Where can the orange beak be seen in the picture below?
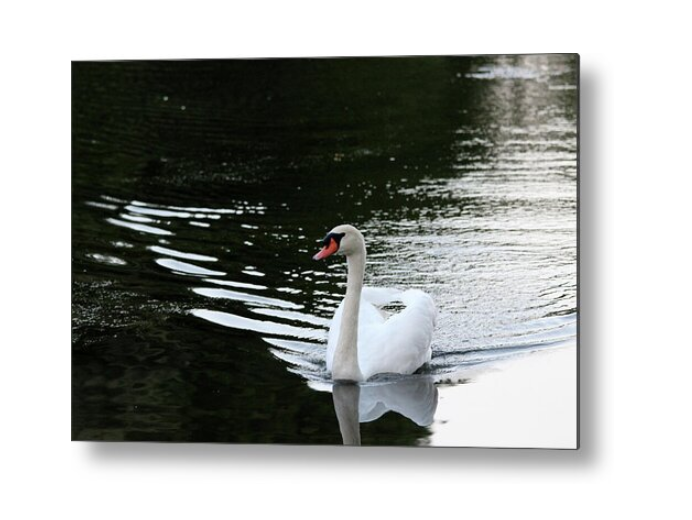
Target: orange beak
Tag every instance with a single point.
(326, 251)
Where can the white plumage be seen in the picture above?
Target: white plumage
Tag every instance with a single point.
(364, 340)
(399, 343)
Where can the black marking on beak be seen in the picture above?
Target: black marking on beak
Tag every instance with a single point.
(335, 236)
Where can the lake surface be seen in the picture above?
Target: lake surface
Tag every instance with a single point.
(200, 190)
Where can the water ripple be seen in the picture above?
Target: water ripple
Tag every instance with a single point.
(211, 292)
(234, 321)
(139, 227)
(182, 254)
(186, 268)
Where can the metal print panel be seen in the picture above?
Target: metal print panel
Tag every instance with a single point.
(361, 251)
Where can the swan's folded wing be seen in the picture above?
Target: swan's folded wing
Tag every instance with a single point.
(422, 305)
(413, 327)
(379, 296)
(403, 342)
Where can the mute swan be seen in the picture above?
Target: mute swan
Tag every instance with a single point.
(362, 341)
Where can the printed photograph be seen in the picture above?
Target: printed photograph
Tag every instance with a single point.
(375, 251)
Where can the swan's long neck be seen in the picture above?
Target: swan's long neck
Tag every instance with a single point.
(345, 366)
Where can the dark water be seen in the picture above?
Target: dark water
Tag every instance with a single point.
(200, 190)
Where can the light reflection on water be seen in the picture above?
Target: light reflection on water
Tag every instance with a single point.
(490, 234)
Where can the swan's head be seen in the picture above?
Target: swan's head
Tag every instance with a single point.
(343, 239)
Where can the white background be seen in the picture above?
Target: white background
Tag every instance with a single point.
(635, 270)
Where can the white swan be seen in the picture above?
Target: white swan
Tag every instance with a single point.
(362, 340)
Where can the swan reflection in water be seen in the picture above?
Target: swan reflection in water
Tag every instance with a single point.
(414, 397)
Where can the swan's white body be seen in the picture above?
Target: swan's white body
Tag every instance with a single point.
(399, 344)
(363, 341)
